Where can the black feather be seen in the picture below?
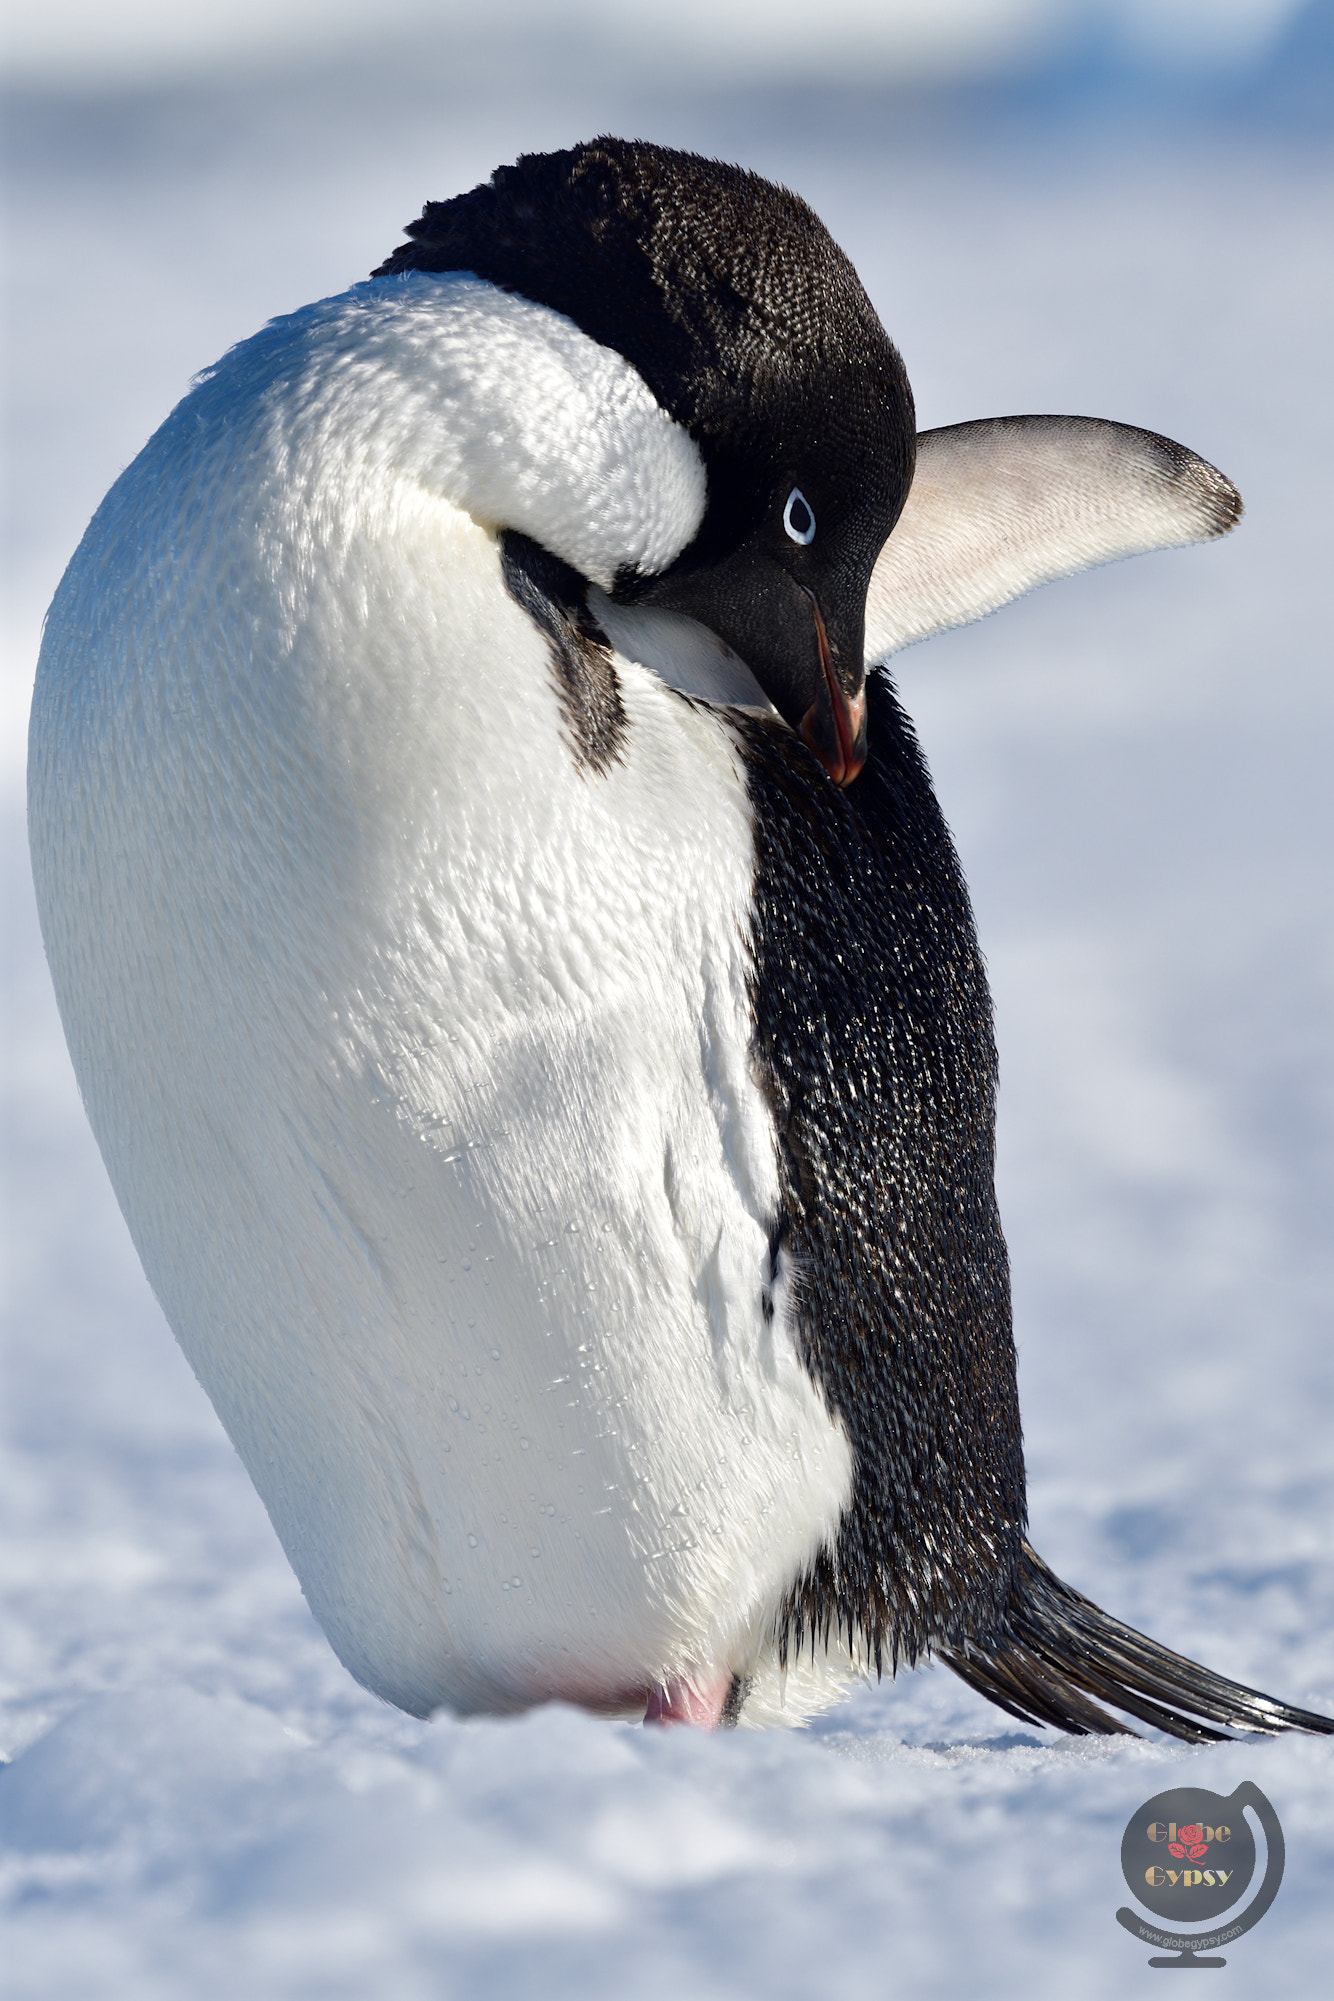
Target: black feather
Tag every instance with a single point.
(554, 596)
(1056, 1649)
(873, 1039)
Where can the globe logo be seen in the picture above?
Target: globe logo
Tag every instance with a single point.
(1189, 1856)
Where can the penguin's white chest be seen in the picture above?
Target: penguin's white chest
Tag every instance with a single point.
(420, 1058)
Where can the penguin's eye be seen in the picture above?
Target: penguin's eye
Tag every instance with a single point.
(798, 519)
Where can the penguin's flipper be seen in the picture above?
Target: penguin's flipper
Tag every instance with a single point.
(1055, 1650)
(1006, 503)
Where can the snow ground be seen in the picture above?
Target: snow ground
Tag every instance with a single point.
(1136, 764)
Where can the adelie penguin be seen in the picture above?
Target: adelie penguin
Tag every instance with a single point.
(521, 982)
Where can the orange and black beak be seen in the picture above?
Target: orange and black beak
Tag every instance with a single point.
(803, 642)
(834, 726)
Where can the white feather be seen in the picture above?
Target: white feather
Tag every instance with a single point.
(1000, 506)
(418, 1056)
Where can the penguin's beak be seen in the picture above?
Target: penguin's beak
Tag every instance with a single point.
(834, 726)
(805, 646)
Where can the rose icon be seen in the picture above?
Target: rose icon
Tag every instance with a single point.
(1190, 1844)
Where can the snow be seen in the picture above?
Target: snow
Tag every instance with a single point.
(201, 1803)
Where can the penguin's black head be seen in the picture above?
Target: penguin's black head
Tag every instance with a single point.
(752, 330)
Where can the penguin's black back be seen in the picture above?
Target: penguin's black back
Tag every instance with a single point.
(873, 1029)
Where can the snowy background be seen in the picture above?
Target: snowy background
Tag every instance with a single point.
(1117, 210)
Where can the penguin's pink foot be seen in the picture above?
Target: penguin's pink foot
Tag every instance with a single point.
(701, 1703)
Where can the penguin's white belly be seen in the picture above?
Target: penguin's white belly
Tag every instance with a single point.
(420, 1060)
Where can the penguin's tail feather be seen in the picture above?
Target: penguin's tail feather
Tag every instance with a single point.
(1055, 1650)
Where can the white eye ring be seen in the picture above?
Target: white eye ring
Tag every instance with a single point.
(799, 517)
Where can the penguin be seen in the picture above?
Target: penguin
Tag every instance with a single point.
(521, 982)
